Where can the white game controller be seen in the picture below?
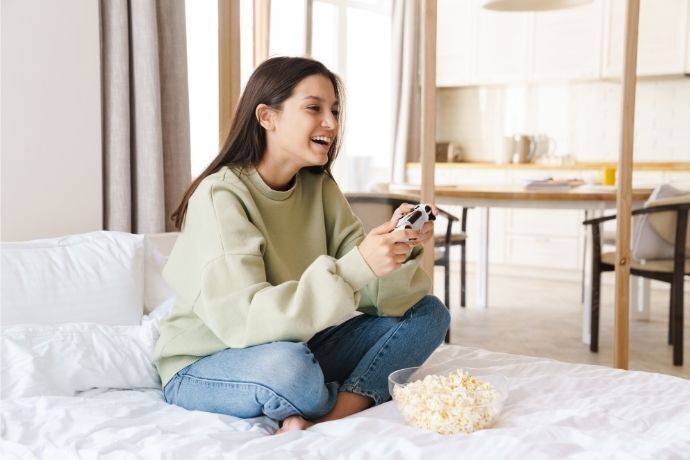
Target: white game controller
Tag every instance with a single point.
(414, 220)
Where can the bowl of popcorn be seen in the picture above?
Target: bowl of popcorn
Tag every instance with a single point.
(448, 402)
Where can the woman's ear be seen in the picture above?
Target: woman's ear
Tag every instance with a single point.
(264, 114)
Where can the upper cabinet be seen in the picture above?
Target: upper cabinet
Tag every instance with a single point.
(501, 45)
(478, 46)
(455, 46)
(566, 43)
(662, 41)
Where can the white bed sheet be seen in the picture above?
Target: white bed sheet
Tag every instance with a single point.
(554, 410)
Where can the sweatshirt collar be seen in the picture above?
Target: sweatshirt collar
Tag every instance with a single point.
(267, 191)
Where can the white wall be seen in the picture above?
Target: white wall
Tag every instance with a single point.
(51, 118)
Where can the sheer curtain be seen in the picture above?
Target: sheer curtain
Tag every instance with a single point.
(146, 153)
(406, 86)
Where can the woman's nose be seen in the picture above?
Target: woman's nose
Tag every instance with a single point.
(329, 121)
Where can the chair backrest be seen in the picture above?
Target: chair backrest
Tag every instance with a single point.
(654, 233)
(664, 223)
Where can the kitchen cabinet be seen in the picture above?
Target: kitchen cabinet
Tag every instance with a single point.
(662, 42)
(566, 43)
(455, 46)
(481, 47)
(501, 46)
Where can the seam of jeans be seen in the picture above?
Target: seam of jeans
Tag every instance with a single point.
(207, 381)
(378, 354)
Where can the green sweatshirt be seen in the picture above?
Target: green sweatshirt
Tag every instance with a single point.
(254, 265)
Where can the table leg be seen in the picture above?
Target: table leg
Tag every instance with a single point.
(482, 274)
(639, 298)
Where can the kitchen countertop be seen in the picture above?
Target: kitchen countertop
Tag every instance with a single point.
(507, 193)
(640, 166)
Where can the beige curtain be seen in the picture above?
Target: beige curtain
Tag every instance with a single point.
(406, 86)
(146, 148)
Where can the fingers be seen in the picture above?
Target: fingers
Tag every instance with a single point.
(404, 235)
(403, 209)
(384, 228)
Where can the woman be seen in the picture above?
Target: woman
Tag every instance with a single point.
(270, 261)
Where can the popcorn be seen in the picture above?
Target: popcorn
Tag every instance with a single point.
(458, 403)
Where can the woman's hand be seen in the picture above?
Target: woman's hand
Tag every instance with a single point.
(385, 250)
(427, 230)
(426, 233)
(403, 209)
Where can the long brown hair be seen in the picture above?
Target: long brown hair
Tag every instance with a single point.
(271, 83)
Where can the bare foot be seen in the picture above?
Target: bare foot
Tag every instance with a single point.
(294, 422)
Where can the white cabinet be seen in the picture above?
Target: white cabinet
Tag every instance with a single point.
(566, 44)
(501, 46)
(662, 41)
(455, 43)
(477, 46)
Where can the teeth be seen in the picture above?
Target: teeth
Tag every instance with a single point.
(322, 139)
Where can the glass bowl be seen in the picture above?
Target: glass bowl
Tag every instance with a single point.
(461, 403)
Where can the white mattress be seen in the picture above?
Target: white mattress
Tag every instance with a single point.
(553, 410)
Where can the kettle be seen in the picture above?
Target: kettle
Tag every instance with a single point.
(524, 148)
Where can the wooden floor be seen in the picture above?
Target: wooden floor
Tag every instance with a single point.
(544, 318)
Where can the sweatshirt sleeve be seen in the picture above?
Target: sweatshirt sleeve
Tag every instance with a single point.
(392, 294)
(235, 300)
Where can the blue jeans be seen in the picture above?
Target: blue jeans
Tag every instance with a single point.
(281, 379)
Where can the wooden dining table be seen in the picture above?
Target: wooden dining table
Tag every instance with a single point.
(593, 199)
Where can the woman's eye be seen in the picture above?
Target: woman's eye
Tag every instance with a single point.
(315, 108)
(335, 113)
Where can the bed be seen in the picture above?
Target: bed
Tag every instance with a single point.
(87, 388)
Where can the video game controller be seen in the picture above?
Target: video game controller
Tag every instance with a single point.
(415, 219)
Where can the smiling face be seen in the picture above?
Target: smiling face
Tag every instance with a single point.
(301, 132)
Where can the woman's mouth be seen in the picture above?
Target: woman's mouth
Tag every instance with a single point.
(322, 140)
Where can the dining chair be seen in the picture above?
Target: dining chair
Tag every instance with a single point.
(668, 219)
(374, 208)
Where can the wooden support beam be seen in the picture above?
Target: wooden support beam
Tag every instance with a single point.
(428, 117)
(262, 15)
(228, 64)
(624, 193)
(308, 21)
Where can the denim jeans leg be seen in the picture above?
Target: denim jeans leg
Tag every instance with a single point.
(277, 379)
(362, 352)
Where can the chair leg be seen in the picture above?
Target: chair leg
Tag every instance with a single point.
(584, 262)
(447, 294)
(677, 307)
(446, 283)
(463, 275)
(670, 316)
(594, 317)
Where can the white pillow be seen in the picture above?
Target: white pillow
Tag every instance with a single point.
(647, 243)
(92, 277)
(65, 359)
(156, 290)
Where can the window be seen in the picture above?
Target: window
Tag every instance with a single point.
(351, 37)
(202, 71)
(202, 74)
